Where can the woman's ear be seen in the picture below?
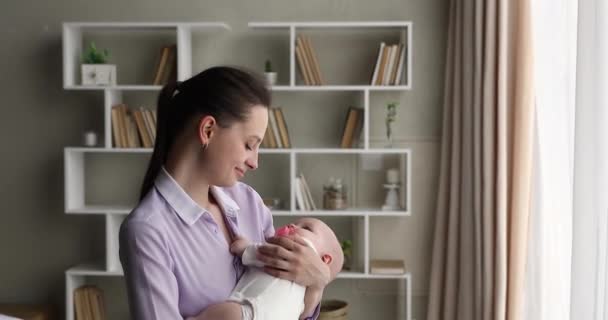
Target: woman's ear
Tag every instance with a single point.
(326, 258)
(206, 127)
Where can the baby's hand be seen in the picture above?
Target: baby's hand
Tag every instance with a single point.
(238, 246)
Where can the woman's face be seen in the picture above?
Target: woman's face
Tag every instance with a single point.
(233, 151)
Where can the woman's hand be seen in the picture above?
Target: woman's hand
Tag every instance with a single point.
(292, 259)
(239, 245)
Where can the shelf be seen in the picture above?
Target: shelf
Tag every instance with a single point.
(147, 25)
(340, 88)
(261, 151)
(345, 24)
(123, 210)
(95, 269)
(342, 213)
(117, 87)
(92, 269)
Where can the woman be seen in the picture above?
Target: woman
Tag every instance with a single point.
(174, 246)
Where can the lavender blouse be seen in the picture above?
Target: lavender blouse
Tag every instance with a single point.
(175, 259)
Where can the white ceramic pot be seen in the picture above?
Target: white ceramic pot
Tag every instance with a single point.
(98, 74)
(271, 78)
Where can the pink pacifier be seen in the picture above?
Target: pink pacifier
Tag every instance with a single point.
(285, 230)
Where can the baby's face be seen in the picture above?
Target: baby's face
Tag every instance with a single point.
(312, 229)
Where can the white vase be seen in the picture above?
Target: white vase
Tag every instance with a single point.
(98, 74)
(271, 78)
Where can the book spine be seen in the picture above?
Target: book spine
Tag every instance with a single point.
(315, 62)
(275, 129)
(377, 66)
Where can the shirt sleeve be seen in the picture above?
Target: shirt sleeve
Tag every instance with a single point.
(151, 285)
(268, 227)
(249, 256)
(315, 314)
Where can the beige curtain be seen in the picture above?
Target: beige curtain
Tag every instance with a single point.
(484, 191)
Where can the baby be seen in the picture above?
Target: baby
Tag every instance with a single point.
(261, 296)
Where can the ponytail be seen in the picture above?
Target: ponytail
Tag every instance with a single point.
(162, 140)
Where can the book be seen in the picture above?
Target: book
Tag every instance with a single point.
(315, 62)
(301, 65)
(390, 62)
(349, 128)
(395, 65)
(377, 66)
(115, 127)
(275, 128)
(378, 266)
(161, 65)
(301, 205)
(358, 128)
(307, 194)
(269, 136)
(170, 71)
(79, 307)
(134, 141)
(278, 112)
(150, 124)
(382, 66)
(95, 297)
(141, 128)
(166, 66)
(400, 64)
(308, 75)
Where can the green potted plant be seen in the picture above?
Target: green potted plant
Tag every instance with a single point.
(95, 69)
(271, 75)
(347, 250)
(391, 116)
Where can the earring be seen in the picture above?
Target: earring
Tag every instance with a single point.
(205, 145)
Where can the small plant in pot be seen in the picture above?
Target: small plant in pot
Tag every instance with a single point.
(94, 69)
(271, 75)
(347, 250)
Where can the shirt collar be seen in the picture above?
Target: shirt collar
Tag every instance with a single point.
(186, 208)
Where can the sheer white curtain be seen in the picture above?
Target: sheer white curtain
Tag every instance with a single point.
(590, 217)
(567, 253)
(547, 293)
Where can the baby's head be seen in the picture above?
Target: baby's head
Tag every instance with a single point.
(322, 239)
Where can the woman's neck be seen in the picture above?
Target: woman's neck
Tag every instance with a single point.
(188, 176)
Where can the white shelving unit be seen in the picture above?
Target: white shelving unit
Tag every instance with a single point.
(75, 158)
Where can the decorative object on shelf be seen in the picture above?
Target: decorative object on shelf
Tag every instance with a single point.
(95, 70)
(271, 75)
(333, 310)
(391, 115)
(347, 250)
(378, 266)
(90, 139)
(272, 203)
(334, 195)
(391, 201)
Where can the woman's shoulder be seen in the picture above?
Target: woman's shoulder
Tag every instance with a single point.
(148, 212)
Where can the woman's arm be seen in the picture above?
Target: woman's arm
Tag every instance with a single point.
(151, 286)
(311, 302)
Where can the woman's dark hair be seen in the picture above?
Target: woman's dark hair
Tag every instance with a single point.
(226, 93)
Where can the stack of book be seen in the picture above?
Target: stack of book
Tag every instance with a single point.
(387, 267)
(389, 65)
(308, 63)
(352, 127)
(166, 67)
(133, 128)
(304, 200)
(88, 303)
(277, 135)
